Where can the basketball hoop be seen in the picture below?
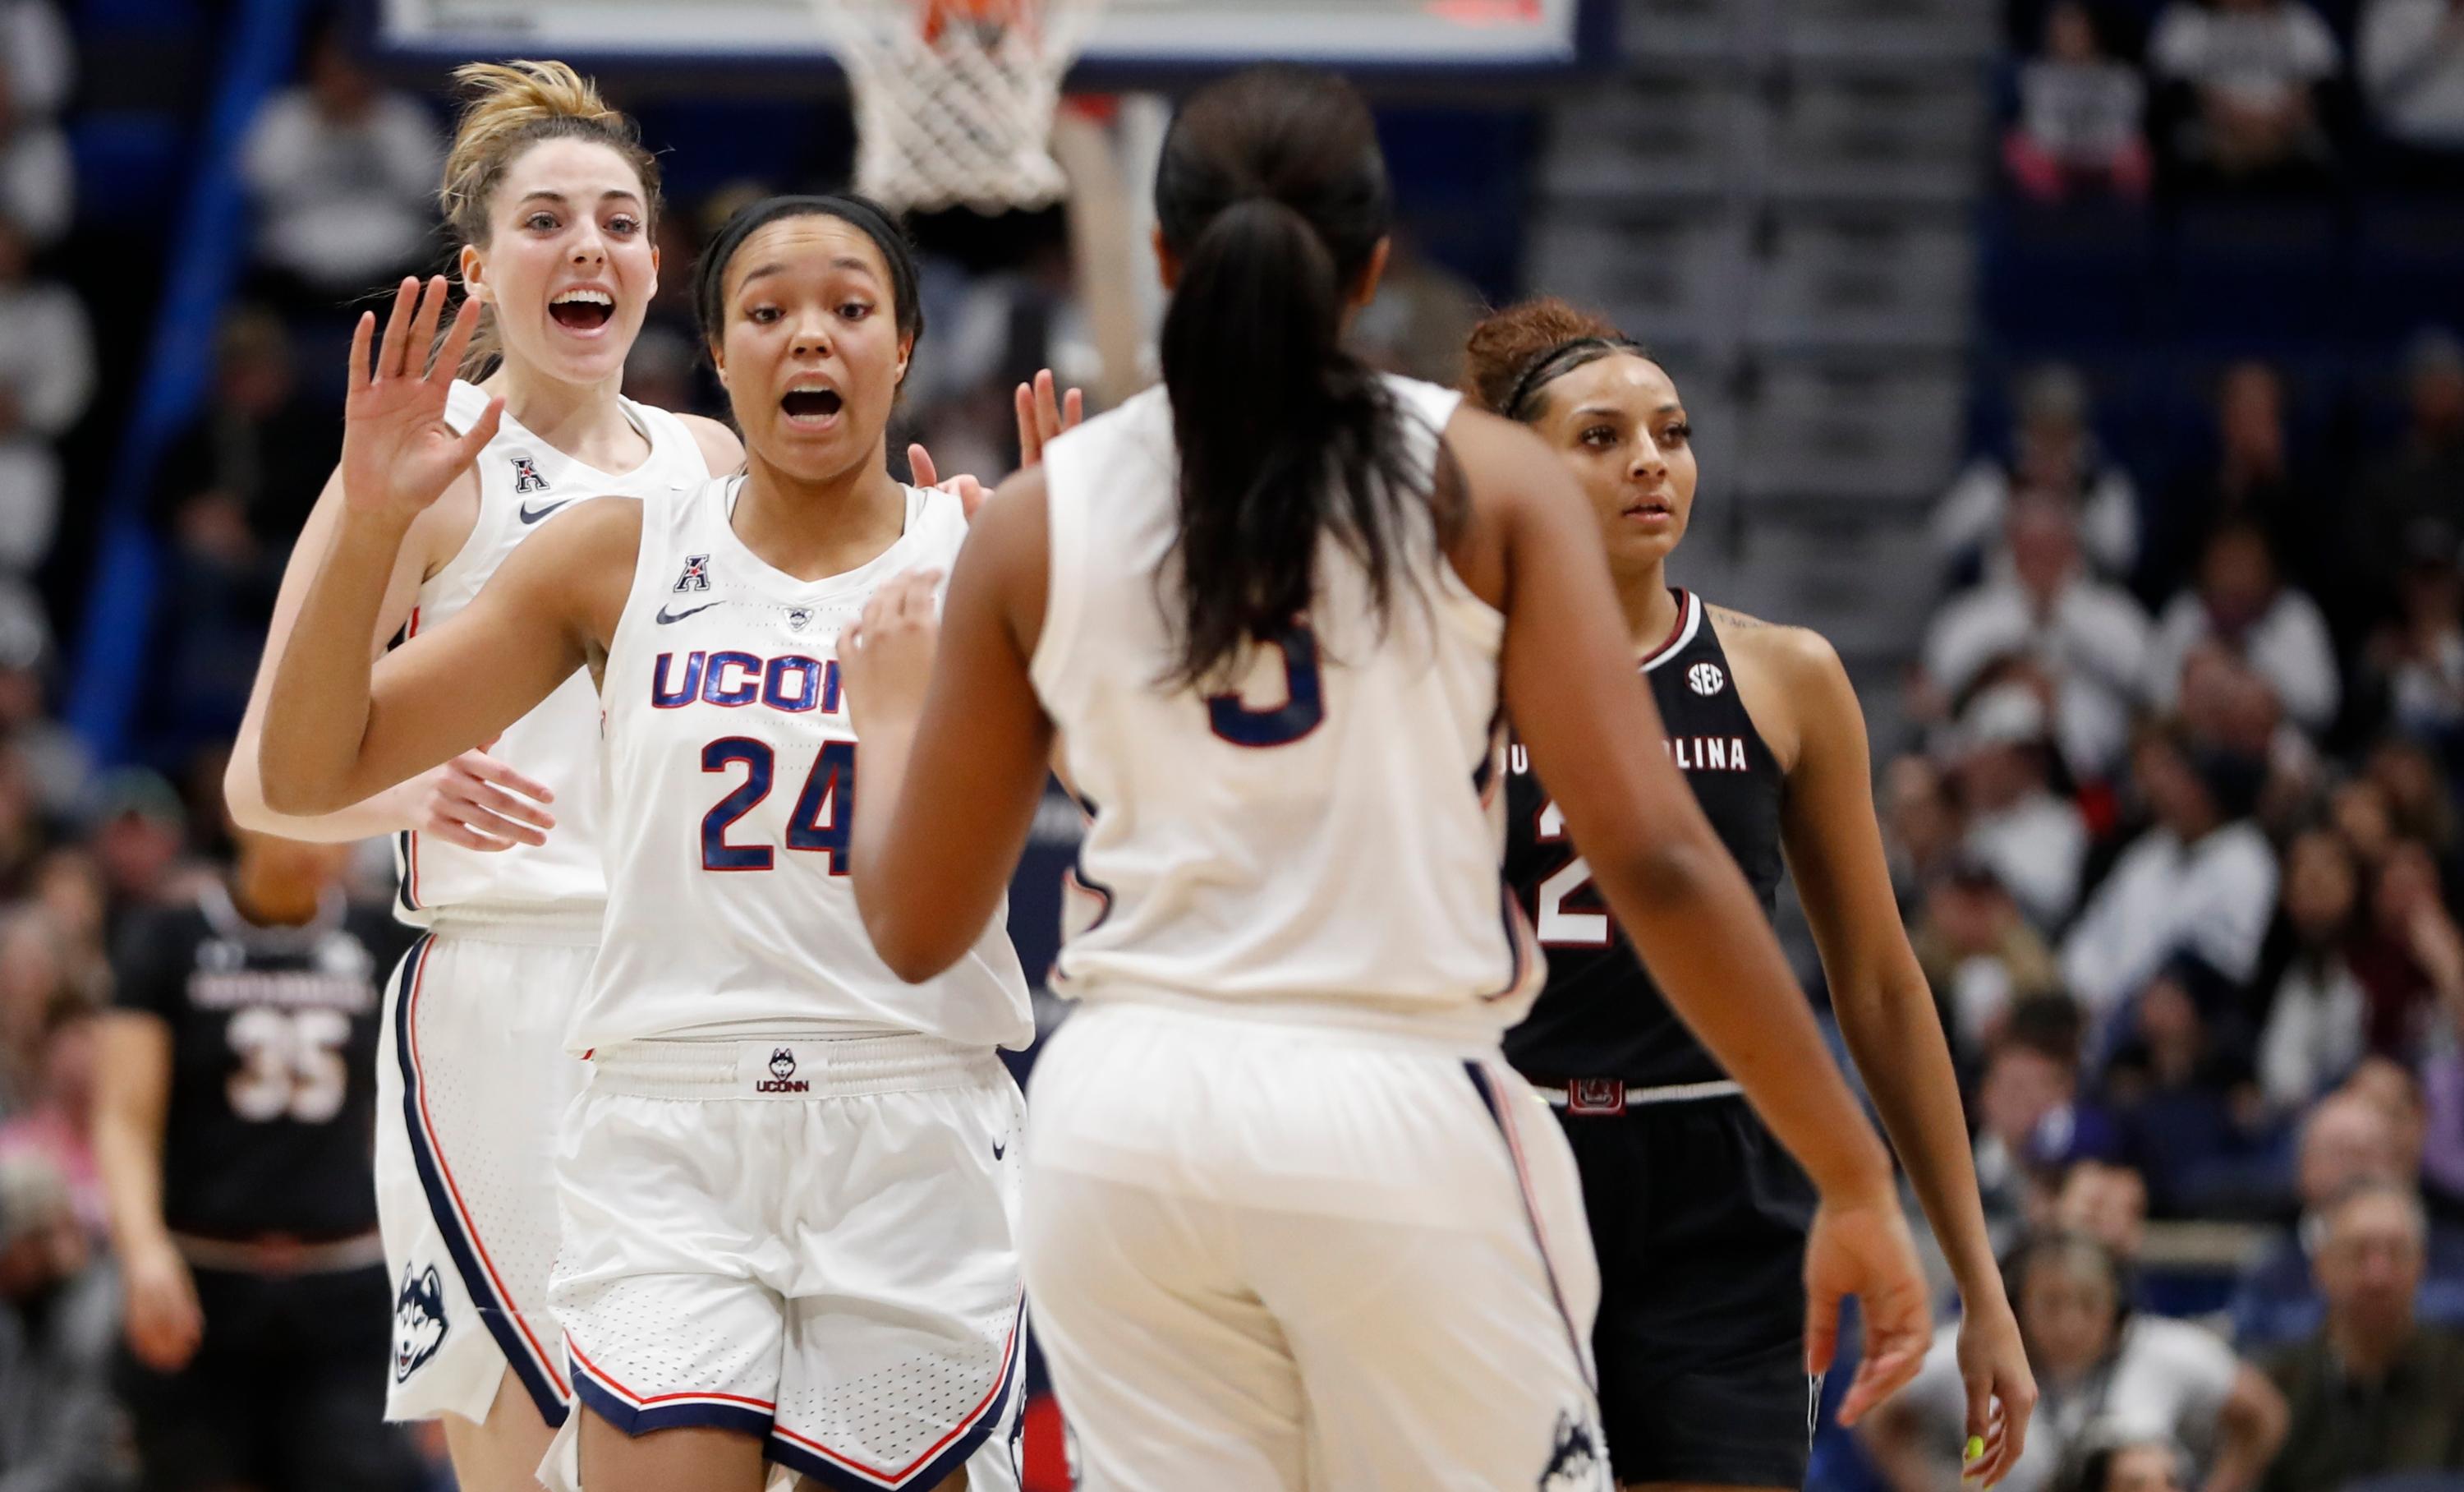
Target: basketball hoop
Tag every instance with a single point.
(954, 99)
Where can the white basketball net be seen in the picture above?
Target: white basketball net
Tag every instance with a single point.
(954, 99)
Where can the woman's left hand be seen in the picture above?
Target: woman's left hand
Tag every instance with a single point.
(886, 659)
(2001, 1391)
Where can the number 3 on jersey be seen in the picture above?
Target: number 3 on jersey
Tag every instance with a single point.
(1304, 703)
(825, 813)
(1558, 928)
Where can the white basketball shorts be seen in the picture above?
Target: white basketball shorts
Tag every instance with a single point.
(1269, 1256)
(472, 1086)
(807, 1240)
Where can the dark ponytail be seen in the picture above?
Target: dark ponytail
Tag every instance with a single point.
(1272, 195)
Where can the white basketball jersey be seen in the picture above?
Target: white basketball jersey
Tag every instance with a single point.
(1329, 833)
(523, 479)
(731, 775)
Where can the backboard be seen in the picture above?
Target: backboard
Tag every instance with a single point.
(1133, 38)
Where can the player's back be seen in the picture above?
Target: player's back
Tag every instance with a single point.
(1325, 838)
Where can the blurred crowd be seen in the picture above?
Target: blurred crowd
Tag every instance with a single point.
(2119, 96)
(2179, 839)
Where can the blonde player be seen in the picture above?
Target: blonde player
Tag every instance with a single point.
(553, 198)
(1291, 1219)
(788, 1190)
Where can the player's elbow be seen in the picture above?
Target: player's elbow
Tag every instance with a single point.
(911, 950)
(288, 795)
(1664, 870)
(244, 796)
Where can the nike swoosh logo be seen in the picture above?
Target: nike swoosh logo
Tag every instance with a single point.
(532, 515)
(666, 617)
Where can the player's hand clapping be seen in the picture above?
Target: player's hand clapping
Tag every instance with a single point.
(1861, 1248)
(163, 1320)
(398, 453)
(479, 803)
(886, 659)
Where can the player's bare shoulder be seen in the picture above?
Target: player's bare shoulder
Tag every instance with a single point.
(722, 453)
(1790, 677)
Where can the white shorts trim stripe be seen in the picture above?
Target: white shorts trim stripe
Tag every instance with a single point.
(529, 1360)
(1492, 1097)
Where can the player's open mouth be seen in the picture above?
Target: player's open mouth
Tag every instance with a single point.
(812, 405)
(1649, 511)
(582, 308)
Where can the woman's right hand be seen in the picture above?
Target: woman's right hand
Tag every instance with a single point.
(163, 1323)
(398, 453)
(1861, 1247)
(479, 803)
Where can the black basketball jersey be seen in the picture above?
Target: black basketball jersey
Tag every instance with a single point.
(1601, 1015)
(271, 1128)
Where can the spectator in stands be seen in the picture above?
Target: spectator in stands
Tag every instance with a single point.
(2419, 798)
(2411, 56)
(2365, 819)
(2412, 497)
(2250, 476)
(258, 451)
(2243, 607)
(2195, 890)
(37, 178)
(2374, 1391)
(2317, 1012)
(2105, 1373)
(2107, 1202)
(343, 170)
(52, 757)
(61, 1430)
(2417, 659)
(138, 828)
(37, 57)
(2029, 1121)
(1921, 828)
(2410, 959)
(2131, 1465)
(46, 382)
(56, 1118)
(2081, 114)
(2345, 1142)
(2249, 74)
(2090, 639)
(2055, 452)
(2034, 842)
(2181, 1087)
(1980, 957)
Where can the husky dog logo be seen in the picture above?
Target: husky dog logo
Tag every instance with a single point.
(1576, 1464)
(418, 1320)
(782, 1076)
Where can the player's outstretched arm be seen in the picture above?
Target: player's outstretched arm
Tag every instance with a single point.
(954, 741)
(474, 800)
(1894, 1032)
(1579, 705)
(335, 730)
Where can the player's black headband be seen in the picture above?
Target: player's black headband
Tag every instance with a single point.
(1555, 364)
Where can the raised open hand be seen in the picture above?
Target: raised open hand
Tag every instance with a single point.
(1044, 412)
(398, 453)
